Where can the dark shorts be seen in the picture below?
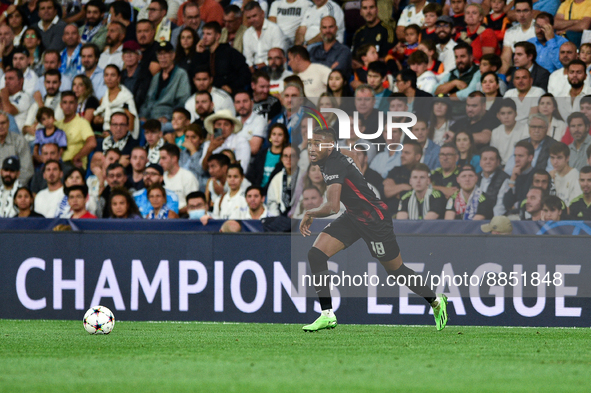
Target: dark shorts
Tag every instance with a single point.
(378, 235)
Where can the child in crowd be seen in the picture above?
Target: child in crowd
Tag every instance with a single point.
(432, 11)
(48, 134)
(419, 63)
(367, 53)
(154, 140)
(498, 20)
(505, 136)
(430, 49)
(566, 179)
(585, 56)
(402, 51)
(458, 7)
(181, 118)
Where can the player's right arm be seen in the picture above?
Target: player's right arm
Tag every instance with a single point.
(328, 208)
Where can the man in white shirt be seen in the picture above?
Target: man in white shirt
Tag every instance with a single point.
(181, 181)
(13, 99)
(411, 14)
(314, 76)
(566, 179)
(224, 128)
(570, 102)
(261, 36)
(256, 204)
(276, 70)
(48, 200)
(445, 47)
(426, 80)
(289, 14)
(254, 126)
(522, 31)
(558, 81)
(113, 53)
(203, 81)
(309, 32)
(524, 94)
(21, 61)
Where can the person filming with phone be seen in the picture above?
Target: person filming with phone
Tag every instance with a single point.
(223, 130)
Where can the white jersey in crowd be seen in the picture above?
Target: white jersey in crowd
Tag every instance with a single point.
(505, 143)
(515, 34)
(314, 15)
(182, 184)
(558, 84)
(115, 58)
(255, 48)
(229, 207)
(427, 81)
(22, 101)
(221, 100)
(314, 80)
(255, 125)
(47, 202)
(447, 57)
(237, 144)
(567, 187)
(245, 214)
(410, 16)
(529, 101)
(289, 16)
(567, 105)
(30, 81)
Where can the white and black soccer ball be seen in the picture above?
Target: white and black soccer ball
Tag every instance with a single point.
(99, 320)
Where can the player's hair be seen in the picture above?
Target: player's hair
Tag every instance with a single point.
(433, 8)
(362, 51)
(416, 146)
(196, 195)
(414, 27)
(152, 125)
(44, 111)
(329, 132)
(78, 187)
(527, 146)
(422, 168)
(408, 75)
(552, 202)
(463, 45)
(379, 67)
(586, 169)
(491, 149)
(222, 159)
(493, 60)
(259, 74)
(171, 150)
(299, 50)
(577, 115)
(418, 57)
(215, 26)
(558, 148)
(507, 103)
(253, 187)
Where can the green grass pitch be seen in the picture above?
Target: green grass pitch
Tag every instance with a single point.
(59, 356)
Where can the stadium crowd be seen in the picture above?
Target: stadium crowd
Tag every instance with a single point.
(164, 109)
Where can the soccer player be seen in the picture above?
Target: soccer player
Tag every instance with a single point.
(366, 217)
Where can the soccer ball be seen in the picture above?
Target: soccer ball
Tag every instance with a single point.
(99, 320)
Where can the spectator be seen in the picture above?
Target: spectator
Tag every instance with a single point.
(146, 33)
(374, 31)
(578, 125)
(51, 26)
(364, 104)
(229, 126)
(422, 202)
(482, 39)
(168, 89)
(281, 187)
(338, 87)
(524, 57)
(412, 14)
(548, 107)
(464, 142)
(311, 199)
(87, 102)
(113, 53)
(9, 186)
(573, 17)
(377, 79)
(93, 31)
(267, 162)
(217, 166)
(203, 107)
(493, 182)
(313, 76)
(505, 136)
(525, 94)
(138, 162)
(538, 136)
(441, 121)
(365, 54)
(177, 179)
(192, 153)
(497, 20)
(134, 73)
(90, 55)
(533, 203)
(431, 13)
(260, 37)
(309, 30)
(13, 99)
(211, 11)
(22, 62)
(23, 204)
(192, 18)
(522, 31)
(158, 199)
(443, 179)
(576, 79)
(457, 13)
(396, 183)
(406, 83)
(430, 155)
(558, 82)
(233, 31)
(154, 140)
(426, 80)
(231, 69)
(196, 205)
(17, 20)
(181, 118)
(275, 70)
(157, 15)
(48, 134)
(469, 202)
(153, 174)
(126, 15)
(477, 122)
(566, 179)
(456, 82)
(31, 40)
(120, 138)
(71, 61)
(547, 43)
(232, 204)
(77, 195)
(389, 157)
(580, 207)
(521, 175)
(330, 52)
(115, 177)
(74, 177)
(429, 47)
(552, 208)
(48, 199)
(402, 51)
(186, 53)
(12, 144)
(445, 49)
(489, 65)
(256, 204)
(122, 205)
(49, 151)
(203, 82)
(254, 126)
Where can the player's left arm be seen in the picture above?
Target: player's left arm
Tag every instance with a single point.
(328, 208)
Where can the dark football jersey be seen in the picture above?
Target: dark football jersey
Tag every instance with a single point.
(356, 193)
